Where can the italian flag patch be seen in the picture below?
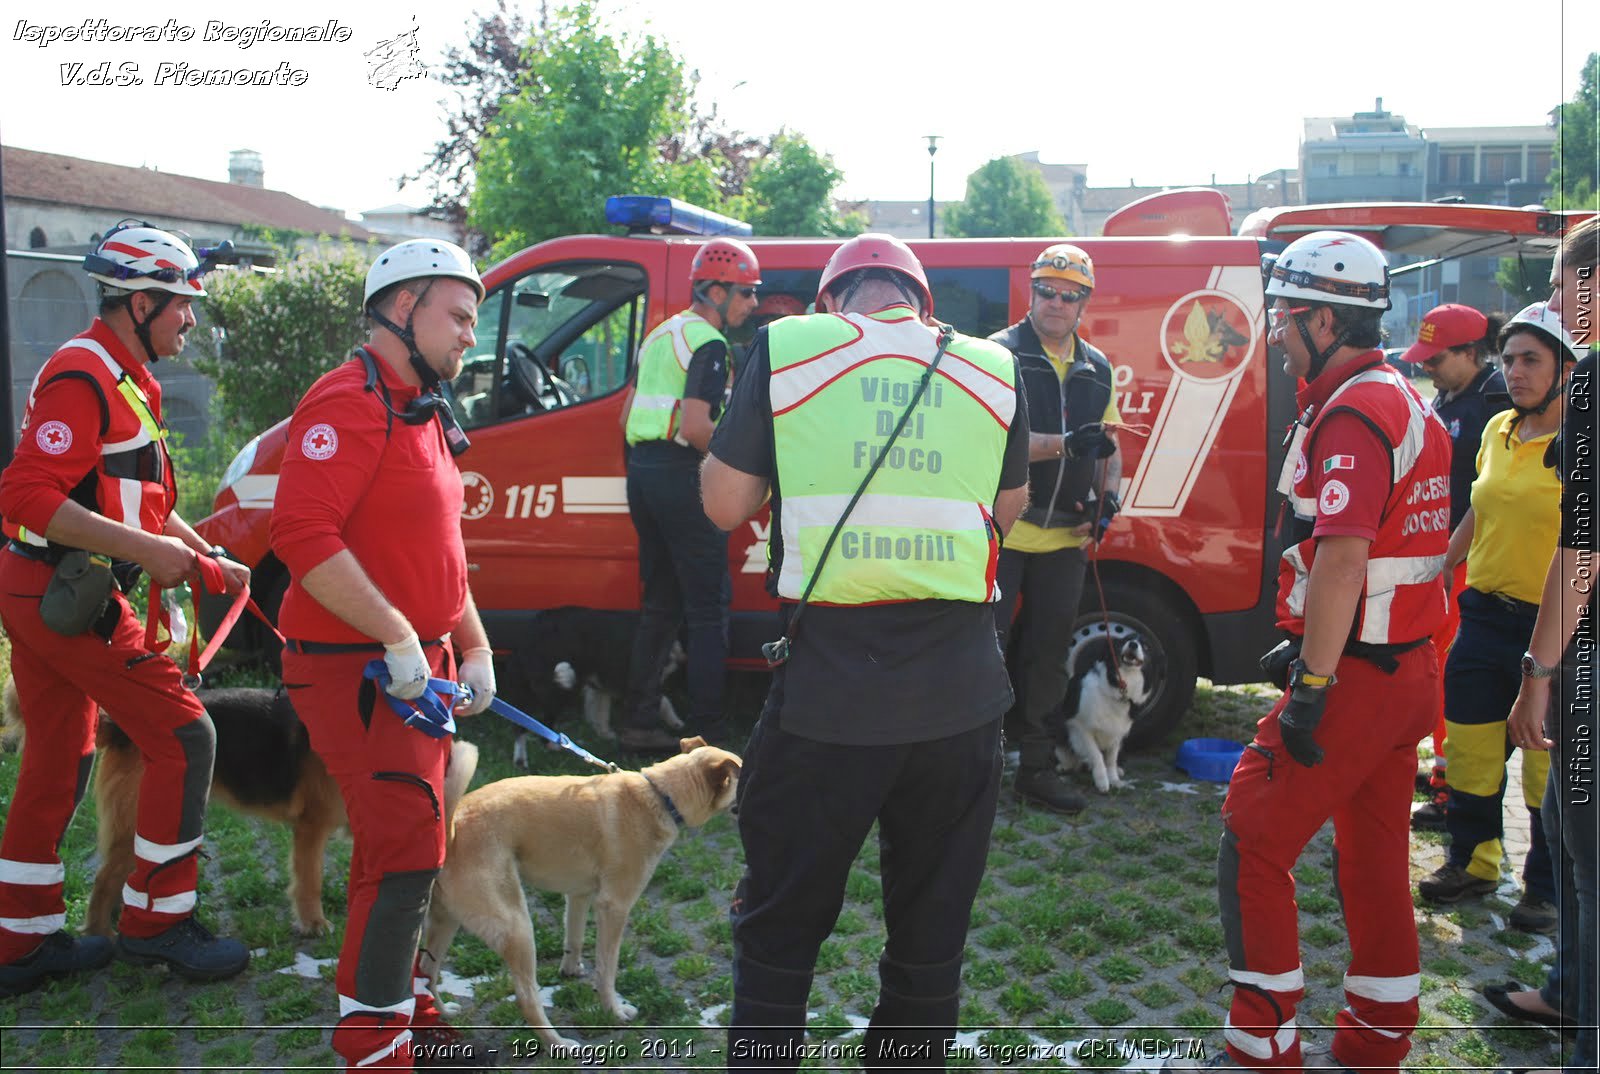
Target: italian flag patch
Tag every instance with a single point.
(1338, 462)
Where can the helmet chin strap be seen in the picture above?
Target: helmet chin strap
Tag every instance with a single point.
(1319, 359)
(142, 328)
(1556, 387)
(419, 365)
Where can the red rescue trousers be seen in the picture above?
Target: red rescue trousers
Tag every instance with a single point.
(392, 780)
(60, 681)
(1369, 735)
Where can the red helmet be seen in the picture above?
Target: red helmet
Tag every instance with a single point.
(725, 261)
(779, 304)
(878, 251)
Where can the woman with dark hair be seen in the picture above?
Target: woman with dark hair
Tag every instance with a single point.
(1505, 538)
(1562, 650)
(1455, 347)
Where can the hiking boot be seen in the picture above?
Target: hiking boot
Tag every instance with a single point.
(1451, 883)
(1320, 1057)
(60, 954)
(1534, 914)
(1430, 815)
(650, 740)
(441, 1046)
(189, 948)
(1045, 787)
(1218, 1060)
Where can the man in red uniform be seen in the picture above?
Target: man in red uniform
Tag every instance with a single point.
(92, 474)
(1360, 594)
(368, 521)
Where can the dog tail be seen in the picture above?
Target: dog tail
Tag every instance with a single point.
(457, 777)
(11, 716)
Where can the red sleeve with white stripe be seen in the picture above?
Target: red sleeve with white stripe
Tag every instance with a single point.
(60, 445)
(1350, 471)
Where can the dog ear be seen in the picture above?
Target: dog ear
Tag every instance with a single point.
(689, 745)
(725, 771)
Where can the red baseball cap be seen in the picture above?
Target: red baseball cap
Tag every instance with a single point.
(1445, 327)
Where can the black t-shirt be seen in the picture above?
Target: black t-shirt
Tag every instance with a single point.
(1465, 415)
(707, 379)
(876, 674)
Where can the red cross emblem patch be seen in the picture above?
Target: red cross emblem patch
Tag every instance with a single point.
(320, 441)
(54, 437)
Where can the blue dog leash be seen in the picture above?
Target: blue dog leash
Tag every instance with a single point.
(431, 712)
(528, 723)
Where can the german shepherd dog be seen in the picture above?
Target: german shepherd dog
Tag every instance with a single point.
(264, 765)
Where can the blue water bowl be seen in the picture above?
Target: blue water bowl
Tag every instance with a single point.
(1210, 759)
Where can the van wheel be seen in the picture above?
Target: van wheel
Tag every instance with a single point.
(1167, 636)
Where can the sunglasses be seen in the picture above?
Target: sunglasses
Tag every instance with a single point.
(1046, 293)
(745, 292)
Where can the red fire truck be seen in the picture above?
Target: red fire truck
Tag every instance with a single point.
(1178, 309)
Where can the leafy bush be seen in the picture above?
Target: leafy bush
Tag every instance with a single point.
(280, 331)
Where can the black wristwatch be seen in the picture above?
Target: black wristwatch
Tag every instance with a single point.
(1532, 669)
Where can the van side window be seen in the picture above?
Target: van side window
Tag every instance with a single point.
(554, 338)
(975, 300)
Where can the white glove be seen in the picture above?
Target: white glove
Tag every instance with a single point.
(408, 668)
(477, 671)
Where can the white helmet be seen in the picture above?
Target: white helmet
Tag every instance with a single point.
(1539, 315)
(1329, 266)
(138, 257)
(417, 259)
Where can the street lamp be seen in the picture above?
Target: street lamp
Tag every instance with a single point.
(933, 147)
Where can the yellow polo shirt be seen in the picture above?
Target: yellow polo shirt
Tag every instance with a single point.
(1516, 505)
(1025, 536)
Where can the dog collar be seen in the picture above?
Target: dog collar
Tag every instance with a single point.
(666, 800)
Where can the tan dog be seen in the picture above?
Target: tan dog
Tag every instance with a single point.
(595, 839)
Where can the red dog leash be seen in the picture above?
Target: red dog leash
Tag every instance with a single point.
(212, 581)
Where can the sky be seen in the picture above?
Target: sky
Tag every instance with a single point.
(1156, 93)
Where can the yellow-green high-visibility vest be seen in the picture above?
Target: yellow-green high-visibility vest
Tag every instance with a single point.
(924, 528)
(663, 373)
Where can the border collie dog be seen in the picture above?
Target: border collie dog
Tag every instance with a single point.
(1101, 710)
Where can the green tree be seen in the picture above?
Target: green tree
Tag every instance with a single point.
(590, 114)
(1004, 197)
(1525, 280)
(586, 122)
(279, 332)
(1576, 178)
(791, 192)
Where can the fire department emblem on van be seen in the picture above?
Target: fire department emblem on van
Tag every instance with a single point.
(477, 495)
(320, 441)
(1206, 335)
(53, 437)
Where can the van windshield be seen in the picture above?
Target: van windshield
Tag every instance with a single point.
(556, 337)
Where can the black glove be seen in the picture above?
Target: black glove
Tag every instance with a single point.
(1299, 719)
(1110, 507)
(1275, 662)
(1088, 442)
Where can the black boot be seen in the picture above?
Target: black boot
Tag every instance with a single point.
(190, 949)
(60, 954)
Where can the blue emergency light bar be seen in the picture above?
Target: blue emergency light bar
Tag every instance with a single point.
(669, 216)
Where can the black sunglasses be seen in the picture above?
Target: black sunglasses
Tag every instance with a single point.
(746, 292)
(1046, 292)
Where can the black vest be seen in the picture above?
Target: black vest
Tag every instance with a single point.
(1059, 489)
